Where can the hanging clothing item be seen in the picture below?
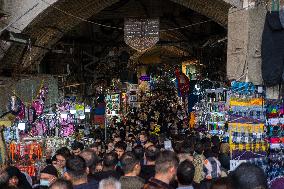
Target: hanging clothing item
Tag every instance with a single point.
(272, 49)
(281, 17)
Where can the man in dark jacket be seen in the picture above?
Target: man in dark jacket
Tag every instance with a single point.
(131, 168)
(109, 168)
(77, 173)
(166, 168)
(148, 170)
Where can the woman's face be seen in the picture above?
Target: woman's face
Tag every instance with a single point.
(60, 161)
(14, 181)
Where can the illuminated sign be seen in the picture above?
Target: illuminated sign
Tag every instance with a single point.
(145, 78)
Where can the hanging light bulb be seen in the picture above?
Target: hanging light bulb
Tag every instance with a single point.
(22, 126)
(141, 34)
(72, 111)
(50, 113)
(64, 115)
(87, 109)
(82, 116)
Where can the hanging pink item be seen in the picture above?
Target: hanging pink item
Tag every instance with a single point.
(42, 93)
(64, 106)
(67, 130)
(14, 105)
(52, 123)
(21, 114)
(38, 106)
(41, 128)
(31, 115)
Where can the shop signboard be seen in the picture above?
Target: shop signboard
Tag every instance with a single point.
(144, 78)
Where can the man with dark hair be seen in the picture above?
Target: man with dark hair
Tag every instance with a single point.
(77, 172)
(77, 148)
(139, 153)
(185, 174)
(61, 184)
(110, 161)
(198, 161)
(120, 148)
(148, 170)
(96, 147)
(212, 166)
(143, 138)
(166, 168)
(248, 176)
(116, 139)
(131, 168)
(91, 159)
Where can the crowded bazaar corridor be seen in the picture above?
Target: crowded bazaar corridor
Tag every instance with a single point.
(141, 94)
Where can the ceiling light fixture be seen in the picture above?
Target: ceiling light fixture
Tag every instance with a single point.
(141, 34)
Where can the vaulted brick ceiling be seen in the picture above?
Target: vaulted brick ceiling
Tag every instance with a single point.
(50, 25)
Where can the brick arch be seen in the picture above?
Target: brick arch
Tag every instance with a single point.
(50, 25)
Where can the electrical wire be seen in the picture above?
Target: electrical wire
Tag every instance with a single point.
(119, 28)
(80, 18)
(108, 26)
(187, 26)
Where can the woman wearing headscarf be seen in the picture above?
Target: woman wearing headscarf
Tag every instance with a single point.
(17, 179)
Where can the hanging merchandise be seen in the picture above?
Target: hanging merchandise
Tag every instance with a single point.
(272, 47)
(25, 155)
(247, 136)
(217, 110)
(36, 127)
(112, 104)
(182, 83)
(210, 112)
(275, 134)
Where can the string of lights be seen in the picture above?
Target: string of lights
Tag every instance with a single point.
(120, 28)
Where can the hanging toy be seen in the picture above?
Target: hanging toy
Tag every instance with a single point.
(14, 105)
(64, 106)
(42, 93)
(40, 128)
(32, 115)
(21, 114)
(38, 106)
(68, 130)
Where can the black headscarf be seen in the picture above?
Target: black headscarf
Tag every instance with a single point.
(23, 183)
